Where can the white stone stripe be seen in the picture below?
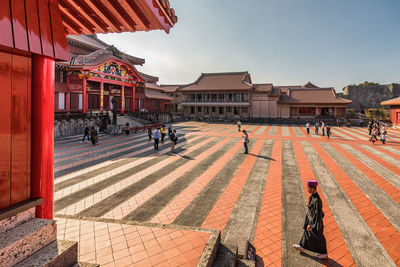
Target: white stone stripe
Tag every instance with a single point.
(382, 155)
(353, 134)
(103, 194)
(110, 146)
(261, 130)
(285, 130)
(336, 131)
(98, 178)
(273, 130)
(391, 177)
(102, 164)
(135, 201)
(375, 194)
(297, 131)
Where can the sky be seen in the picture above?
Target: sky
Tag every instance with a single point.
(331, 43)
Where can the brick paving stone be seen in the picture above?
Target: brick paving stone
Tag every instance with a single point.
(363, 173)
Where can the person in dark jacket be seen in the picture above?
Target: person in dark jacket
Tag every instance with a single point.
(86, 134)
(173, 139)
(313, 238)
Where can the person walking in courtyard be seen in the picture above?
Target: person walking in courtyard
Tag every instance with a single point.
(369, 127)
(245, 141)
(313, 238)
(328, 130)
(127, 128)
(316, 127)
(162, 131)
(94, 136)
(308, 127)
(169, 129)
(156, 138)
(383, 138)
(373, 136)
(149, 132)
(239, 125)
(338, 122)
(173, 139)
(323, 128)
(86, 134)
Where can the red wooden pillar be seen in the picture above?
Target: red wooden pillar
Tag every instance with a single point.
(43, 133)
(67, 101)
(133, 97)
(84, 96)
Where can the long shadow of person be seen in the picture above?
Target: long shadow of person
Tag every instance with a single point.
(328, 262)
(259, 156)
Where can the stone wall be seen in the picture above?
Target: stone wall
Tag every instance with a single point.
(369, 96)
(72, 127)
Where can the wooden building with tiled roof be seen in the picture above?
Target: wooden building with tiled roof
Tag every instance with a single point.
(394, 105)
(232, 95)
(97, 73)
(218, 95)
(311, 102)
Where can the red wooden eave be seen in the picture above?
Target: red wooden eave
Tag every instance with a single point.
(41, 26)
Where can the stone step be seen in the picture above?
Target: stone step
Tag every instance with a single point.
(227, 256)
(20, 242)
(18, 214)
(58, 253)
(86, 264)
(246, 263)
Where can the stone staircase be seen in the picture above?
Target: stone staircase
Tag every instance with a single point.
(29, 241)
(228, 256)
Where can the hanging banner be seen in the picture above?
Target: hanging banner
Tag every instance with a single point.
(101, 96)
(122, 99)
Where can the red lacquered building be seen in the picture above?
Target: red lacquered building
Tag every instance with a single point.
(32, 39)
(394, 105)
(97, 73)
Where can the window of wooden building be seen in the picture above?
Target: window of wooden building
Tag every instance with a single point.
(94, 101)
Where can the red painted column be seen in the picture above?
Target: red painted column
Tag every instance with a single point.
(67, 101)
(133, 97)
(84, 96)
(122, 99)
(43, 133)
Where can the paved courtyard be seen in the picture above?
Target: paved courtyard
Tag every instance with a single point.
(128, 204)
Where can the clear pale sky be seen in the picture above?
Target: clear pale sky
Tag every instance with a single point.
(284, 42)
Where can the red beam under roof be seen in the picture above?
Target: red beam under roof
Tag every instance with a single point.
(41, 26)
(101, 16)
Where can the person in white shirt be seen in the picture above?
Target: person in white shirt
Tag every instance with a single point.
(156, 138)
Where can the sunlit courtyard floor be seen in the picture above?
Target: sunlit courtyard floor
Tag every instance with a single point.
(128, 204)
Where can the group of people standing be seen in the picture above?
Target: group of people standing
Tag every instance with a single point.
(375, 130)
(159, 132)
(325, 128)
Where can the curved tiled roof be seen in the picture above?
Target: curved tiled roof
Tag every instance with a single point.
(312, 96)
(156, 95)
(220, 81)
(170, 88)
(152, 86)
(263, 87)
(391, 102)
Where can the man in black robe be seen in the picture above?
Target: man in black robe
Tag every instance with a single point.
(313, 238)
